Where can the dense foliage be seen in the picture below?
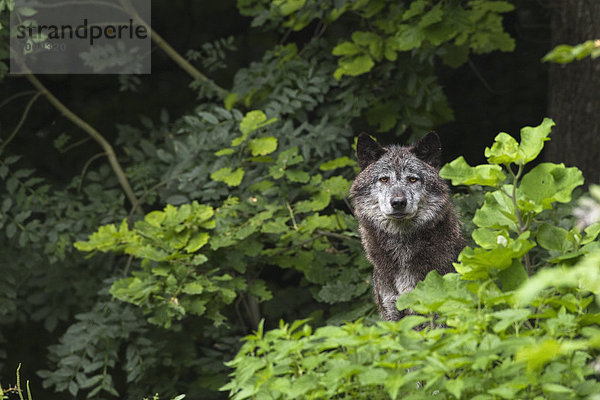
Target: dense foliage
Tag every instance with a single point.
(246, 221)
(481, 333)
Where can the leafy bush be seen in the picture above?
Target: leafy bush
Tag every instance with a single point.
(485, 332)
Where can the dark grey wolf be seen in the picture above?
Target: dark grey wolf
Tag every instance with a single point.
(407, 223)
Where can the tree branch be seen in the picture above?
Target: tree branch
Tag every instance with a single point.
(21, 122)
(108, 149)
(172, 53)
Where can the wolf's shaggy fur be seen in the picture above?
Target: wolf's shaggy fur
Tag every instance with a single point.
(407, 223)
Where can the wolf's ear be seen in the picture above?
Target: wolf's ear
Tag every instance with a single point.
(429, 149)
(367, 151)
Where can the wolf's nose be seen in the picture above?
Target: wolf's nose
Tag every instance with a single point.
(398, 203)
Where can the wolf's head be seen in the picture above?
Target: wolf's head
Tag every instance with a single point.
(399, 187)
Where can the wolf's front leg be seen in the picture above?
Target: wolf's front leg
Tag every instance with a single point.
(389, 310)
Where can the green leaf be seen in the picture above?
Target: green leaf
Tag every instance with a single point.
(505, 150)
(263, 146)
(230, 101)
(407, 38)
(432, 16)
(354, 66)
(455, 387)
(296, 175)
(498, 212)
(287, 7)
(591, 233)
(548, 182)
(550, 387)
(372, 376)
(564, 54)
(417, 7)
(337, 163)
(346, 49)
(532, 140)
(370, 40)
(513, 277)
(480, 263)
(231, 178)
(252, 121)
(193, 288)
(199, 240)
(224, 152)
(509, 317)
(393, 383)
(555, 238)
(462, 173)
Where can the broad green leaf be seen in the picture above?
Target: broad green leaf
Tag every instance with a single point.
(513, 277)
(287, 7)
(407, 38)
(155, 218)
(497, 212)
(508, 317)
(296, 175)
(196, 242)
(393, 383)
(231, 178)
(461, 173)
(505, 150)
(193, 288)
(370, 40)
(532, 140)
(548, 182)
(591, 233)
(564, 54)
(555, 238)
(417, 7)
(354, 66)
(230, 101)
(479, 263)
(337, 163)
(550, 387)
(346, 49)
(263, 146)
(432, 16)
(252, 121)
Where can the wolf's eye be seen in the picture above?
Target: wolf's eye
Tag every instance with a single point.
(412, 179)
(384, 179)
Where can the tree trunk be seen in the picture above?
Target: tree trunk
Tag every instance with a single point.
(574, 90)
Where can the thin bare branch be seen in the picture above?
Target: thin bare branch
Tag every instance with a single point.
(21, 122)
(108, 149)
(16, 96)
